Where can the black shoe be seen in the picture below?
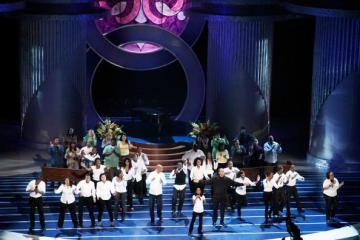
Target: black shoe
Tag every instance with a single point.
(173, 214)
(301, 211)
(223, 224)
(31, 230)
(152, 221)
(93, 225)
(160, 219)
(179, 213)
(189, 233)
(43, 229)
(81, 225)
(200, 232)
(214, 224)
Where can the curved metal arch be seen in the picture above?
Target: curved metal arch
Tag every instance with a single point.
(174, 45)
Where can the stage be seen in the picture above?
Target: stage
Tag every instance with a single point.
(14, 210)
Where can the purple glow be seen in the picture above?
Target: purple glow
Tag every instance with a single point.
(168, 14)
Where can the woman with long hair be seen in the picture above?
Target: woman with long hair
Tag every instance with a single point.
(104, 190)
(124, 146)
(67, 200)
(120, 184)
(129, 174)
(72, 155)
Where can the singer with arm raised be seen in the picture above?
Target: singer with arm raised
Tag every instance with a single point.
(330, 187)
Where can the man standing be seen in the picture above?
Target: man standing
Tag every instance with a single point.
(279, 180)
(291, 189)
(231, 172)
(36, 188)
(271, 150)
(142, 157)
(220, 184)
(157, 180)
(57, 153)
(179, 188)
(86, 189)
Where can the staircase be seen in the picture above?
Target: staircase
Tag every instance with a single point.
(167, 155)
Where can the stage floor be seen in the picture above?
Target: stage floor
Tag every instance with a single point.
(14, 210)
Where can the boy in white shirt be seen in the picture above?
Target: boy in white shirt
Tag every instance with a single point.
(198, 200)
(291, 189)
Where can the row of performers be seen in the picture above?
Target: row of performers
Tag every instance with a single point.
(100, 191)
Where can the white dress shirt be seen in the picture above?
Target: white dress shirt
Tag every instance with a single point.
(156, 181)
(209, 168)
(271, 152)
(241, 190)
(91, 157)
(279, 180)
(104, 190)
(67, 196)
(191, 155)
(142, 158)
(86, 150)
(97, 172)
(119, 186)
(41, 188)
(268, 185)
(130, 175)
(173, 175)
(198, 173)
(139, 168)
(86, 189)
(292, 176)
(331, 191)
(198, 204)
(231, 173)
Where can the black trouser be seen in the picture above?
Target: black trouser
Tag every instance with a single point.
(129, 189)
(331, 204)
(36, 203)
(72, 210)
(102, 204)
(194, 214)
(219, 202)
(231, 195)
(196, 185)
(241, 201)
(138, 187)
(191, 187)
(176, 194)
(279, 200)
(89, 203)
(268, 199)
(120, 199)
(143, 180)
(292, 191)
(158, 200)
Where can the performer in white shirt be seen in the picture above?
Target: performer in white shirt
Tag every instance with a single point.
(142, 157)
(291, 189)
(210, 165)
(129, 177)
(330, 187)
(279, 180)
(89, 159)
(241, 190)
(179, 188)
(189, 161)
(86, 189)
(198, 200)
(37, 189)
(97, 170)
(119, 184)
(271, 151)
(104, 190)
(268, 185)
(139, 169)
(197, 174)
(67, 200)
(231, 172)
(157, 180)
(86, 149)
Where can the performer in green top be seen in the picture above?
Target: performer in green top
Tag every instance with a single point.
(111, 159)
(215, 143)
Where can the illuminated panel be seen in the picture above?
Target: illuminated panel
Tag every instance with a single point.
(169, 14)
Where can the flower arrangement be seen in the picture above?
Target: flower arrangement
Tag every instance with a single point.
(203, 129)
(108, 129)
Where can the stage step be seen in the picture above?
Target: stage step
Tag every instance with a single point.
(165, 154)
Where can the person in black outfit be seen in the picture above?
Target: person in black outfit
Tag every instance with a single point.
(220, 185)
(256, 154)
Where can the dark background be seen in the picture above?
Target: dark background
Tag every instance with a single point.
(116, 90)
